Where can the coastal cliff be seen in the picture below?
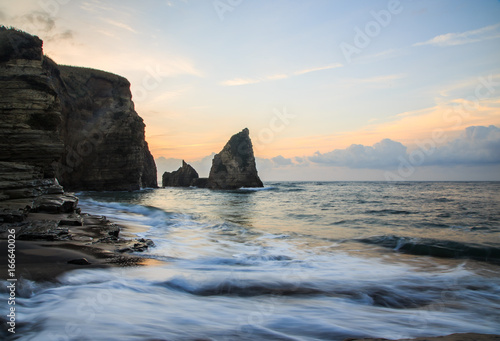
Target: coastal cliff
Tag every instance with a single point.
(74, 125)
(105, 146)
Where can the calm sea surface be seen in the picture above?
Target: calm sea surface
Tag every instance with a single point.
(292, 261)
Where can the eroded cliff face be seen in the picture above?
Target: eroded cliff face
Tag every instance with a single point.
(31, 113)
(72, 124)
(105, 147)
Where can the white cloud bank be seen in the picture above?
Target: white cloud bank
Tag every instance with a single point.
(477, 145)
(384, 154)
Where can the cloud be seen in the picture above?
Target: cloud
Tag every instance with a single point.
(119, 25)
(328, 67)
(246, 81)
(281, 161)
(473, 36)
(42, 24)
(95, 7)
(203, 165)
(477, 145)
(240, 81)
(382, 155)
(167, 164)
(41, 20)
(374, 81)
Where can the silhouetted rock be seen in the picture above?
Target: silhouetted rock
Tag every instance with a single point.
(74, 124)
(79, 261)
(185, 176)
(200, 183)
(234, 167)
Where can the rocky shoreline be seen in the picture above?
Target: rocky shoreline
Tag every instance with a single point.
(53, 236)
(71, 127)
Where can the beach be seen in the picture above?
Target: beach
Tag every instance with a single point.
(358, 260)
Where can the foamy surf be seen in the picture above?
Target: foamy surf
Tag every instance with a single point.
(278, 264)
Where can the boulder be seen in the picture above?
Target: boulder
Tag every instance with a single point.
(185, 176)
(234, 167)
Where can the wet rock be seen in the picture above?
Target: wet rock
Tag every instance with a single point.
(42, 230)
(80, 261)
(56, 204)
(140, 245)
(71, 221)
(13, 215)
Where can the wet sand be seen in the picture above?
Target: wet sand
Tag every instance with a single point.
(45, 261)
(38, 258)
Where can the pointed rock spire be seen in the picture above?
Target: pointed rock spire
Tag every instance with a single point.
(234, 167)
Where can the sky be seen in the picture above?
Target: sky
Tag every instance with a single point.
(329, 89)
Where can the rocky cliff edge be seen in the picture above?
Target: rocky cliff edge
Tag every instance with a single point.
(71, 124)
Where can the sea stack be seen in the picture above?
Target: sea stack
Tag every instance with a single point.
(234, 167)
(185, 176)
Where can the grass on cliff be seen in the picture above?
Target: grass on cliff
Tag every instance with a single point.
(15, 43)
(82, 72)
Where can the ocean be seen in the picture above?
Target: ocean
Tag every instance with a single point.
(290, 261)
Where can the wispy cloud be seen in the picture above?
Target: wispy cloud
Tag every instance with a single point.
(120, 25)
(378, 81)
(95, 6)
(473, 36)
(245, 81)
(240, 81)
(328, 67)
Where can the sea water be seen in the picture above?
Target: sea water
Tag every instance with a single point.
(290, 261)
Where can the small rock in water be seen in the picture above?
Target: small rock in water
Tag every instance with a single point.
(80, 261)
